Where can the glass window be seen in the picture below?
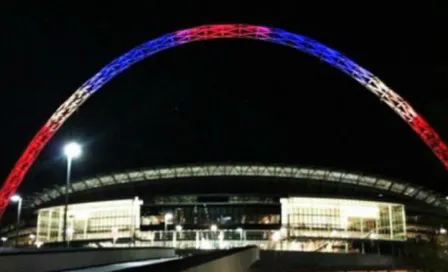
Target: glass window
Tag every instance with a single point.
(341, 217)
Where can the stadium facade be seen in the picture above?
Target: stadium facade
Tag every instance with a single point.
(222, 206)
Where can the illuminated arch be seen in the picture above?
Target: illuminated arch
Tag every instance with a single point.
(208, 32)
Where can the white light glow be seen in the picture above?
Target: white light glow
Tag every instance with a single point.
(4, 239)
(178, 228)
(168, 216)
(70, 231)
(276, 236)
(72, 150)
(240, 230)
(213, 227)
(16, 198)
(32, 236)
(442, 230)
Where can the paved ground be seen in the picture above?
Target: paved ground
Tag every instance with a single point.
(121, 266)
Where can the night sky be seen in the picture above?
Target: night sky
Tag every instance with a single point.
(228, 101)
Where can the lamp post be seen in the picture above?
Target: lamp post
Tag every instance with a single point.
(18, 199)
(71, 151)
(70, 232)
(214, 228)
(240, 231)
(4, 239)
(32, 237)
(178, 228)
(114, 235)
(168, 216)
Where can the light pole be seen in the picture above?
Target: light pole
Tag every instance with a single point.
(4, 239)
(71, 151)
(214, 228)
(18, 199)
(240, 231)
(114, 235)
(178, 230)
(70, 232)
(32, 237)
(168, 216)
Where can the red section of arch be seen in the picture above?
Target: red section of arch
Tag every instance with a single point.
(23, 164)
(420, 126)
(431, 138)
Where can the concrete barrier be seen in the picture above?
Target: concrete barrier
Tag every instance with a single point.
(232, 260)
(283, 260)
(57, 260)
(236, 262)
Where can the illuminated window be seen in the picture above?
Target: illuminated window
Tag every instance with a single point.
(343, 218)
(89, 220)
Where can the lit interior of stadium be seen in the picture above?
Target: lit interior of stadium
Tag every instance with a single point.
(273, 207)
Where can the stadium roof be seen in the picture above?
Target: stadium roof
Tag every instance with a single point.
(296, 173)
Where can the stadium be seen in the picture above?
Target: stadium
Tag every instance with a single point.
(224, 206)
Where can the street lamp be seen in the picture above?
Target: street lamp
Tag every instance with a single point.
(70, 232)
(168, 217)
(18, 199)
(32, 237)
(178, 228)
(114, 234)
(71, 151)
(240, 231)
(214, 228)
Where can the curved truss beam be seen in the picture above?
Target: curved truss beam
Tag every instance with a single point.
(208, 32)
(223, 170)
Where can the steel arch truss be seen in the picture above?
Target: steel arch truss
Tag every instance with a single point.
(195, 171)
(240, 31)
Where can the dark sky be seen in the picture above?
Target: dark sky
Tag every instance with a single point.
(223, 101)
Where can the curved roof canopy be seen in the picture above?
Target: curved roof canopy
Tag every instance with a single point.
(297, 173)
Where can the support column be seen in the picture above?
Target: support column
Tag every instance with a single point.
(377, 226)
(60, 223)
(174, 239)
(197, 239)
(85, 227)
(403, 214)
(391, 225)
(50, 213)
(362, 227)
(38, 228)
